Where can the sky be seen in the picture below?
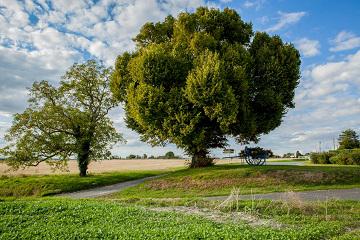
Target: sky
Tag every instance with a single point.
(40, 39)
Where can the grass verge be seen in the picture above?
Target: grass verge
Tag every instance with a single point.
(43, 185)
(220, 180)
(94, 219)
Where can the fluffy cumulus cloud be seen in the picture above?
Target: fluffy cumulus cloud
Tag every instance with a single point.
(345, 41)
(327, 102)
(286, 19)
(308, 47)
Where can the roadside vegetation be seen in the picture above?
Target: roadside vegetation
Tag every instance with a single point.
(221, 179)
(348, 152)
(37, 186)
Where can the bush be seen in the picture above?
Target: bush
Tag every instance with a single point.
(347, 157)
(322, 158)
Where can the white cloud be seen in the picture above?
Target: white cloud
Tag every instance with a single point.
(343, 71)
(307, 47)
(345, 41)
(257, 4)
(286, 19)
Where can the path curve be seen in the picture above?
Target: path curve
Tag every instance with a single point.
(106, 190)
(343, 194)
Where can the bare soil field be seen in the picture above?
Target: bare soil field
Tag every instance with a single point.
(99, 166)
(109, 166)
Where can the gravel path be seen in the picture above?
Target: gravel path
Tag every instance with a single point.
(106, 190)
(344, 194)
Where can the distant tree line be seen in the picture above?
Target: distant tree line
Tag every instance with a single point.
(168, 155)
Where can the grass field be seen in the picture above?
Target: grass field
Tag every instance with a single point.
(80, 219)
(20, 186)
(220, 180)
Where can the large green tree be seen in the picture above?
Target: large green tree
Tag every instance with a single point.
(348, 139)
(204, 76)
(65, 121)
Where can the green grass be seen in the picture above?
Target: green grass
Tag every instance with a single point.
(287, 160)
(90, 219)
(220, 180)
(19, 186)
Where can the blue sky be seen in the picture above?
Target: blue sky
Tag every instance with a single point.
(41, 39)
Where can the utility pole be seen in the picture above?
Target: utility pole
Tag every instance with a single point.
(320, 146)
(334, 143)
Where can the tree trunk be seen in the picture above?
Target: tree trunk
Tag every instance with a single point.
(83, 158)
(200, 159)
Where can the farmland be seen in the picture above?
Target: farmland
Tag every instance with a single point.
(74, 219)
(98, 167)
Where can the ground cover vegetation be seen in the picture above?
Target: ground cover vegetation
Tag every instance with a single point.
(201, 77)
(221, 179)
(95, 219)
(65, 121)
(43, 185)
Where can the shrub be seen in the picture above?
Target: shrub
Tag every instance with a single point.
(347, 157)
(322, 158)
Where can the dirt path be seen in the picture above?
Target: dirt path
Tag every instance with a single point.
(344, 194)
(106, 190)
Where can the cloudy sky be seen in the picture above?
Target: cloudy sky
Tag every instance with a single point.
(40, 39)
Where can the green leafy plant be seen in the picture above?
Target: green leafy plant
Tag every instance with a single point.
(347, 157)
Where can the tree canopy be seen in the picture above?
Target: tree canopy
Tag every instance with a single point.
(64, 121)
(349, 139)
(196, 79)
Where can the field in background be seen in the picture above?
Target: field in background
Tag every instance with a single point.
(100, 167)
(117, 165)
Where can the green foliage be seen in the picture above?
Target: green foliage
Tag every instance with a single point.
(81, 219)
(169, 155)
(347, 157)
(203, 76)
(41, 185)
(322, 158)
(348, 139)
(63, 121)
(343, 157)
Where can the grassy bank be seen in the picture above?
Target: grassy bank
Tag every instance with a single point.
(18, 186)
(220, 180)
(75, 219)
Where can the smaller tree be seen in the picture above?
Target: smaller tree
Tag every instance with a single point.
(348, 139)
(64, 121)
(169, 155)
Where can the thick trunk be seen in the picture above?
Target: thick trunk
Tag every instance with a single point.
(200, 159)
(83, 158)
